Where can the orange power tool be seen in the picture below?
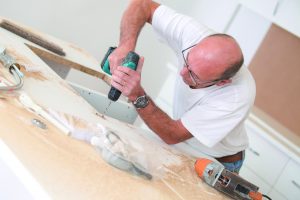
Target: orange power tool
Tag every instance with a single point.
(215, 175)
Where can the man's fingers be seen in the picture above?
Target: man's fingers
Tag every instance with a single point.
(117, 85)
(122, 72)
(140, 65)
(125, 70)
(119, 80)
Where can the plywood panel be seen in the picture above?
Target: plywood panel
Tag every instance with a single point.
(276, 70)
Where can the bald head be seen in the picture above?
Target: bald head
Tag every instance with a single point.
(219, 56)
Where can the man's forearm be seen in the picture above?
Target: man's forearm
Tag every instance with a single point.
(169, 130)
(134, 18)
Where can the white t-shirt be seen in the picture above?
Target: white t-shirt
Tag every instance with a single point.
(214, 115)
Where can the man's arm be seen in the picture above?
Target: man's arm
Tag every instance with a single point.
(129, 83)
(169, 130)
(134, 18)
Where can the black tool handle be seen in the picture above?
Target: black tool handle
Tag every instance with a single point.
(114, 94)
(131, 61)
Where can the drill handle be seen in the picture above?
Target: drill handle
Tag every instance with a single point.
(105, 63)
(131, 61)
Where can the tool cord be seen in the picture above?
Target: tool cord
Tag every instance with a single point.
(266, 197)
(18, 77)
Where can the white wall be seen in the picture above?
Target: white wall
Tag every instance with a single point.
(90, 24)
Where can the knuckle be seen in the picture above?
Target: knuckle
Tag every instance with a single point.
(127, 70)
(125, 92)
(114, 77)
(121, 76)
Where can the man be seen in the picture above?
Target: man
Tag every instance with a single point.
(213, 94)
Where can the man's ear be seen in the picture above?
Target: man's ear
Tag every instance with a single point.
(223, 82)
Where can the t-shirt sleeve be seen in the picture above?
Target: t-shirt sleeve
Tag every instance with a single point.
(177, 30)
(211, 122)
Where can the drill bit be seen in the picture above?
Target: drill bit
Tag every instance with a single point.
(106, 109)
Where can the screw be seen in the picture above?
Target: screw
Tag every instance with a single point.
(38, 123)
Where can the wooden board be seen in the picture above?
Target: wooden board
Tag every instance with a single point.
(67, 168)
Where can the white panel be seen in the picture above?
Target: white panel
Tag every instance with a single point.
(262, 157)
(265, 8)
(249, 29)
(288, 16)
(289, 181)
(215, 14)
(285, 13)
(250, 176)
(120, 109)
(88, 81)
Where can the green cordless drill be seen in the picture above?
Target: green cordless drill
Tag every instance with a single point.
(131, 61)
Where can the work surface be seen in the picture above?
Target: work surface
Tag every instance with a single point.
(67, 168)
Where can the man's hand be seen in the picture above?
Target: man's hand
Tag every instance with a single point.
(128, 81)
(116, 57)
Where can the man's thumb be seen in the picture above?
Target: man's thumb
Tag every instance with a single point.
(140, 65)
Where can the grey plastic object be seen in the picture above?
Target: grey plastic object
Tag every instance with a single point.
(120, 110)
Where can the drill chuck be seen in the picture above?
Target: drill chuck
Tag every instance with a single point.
(114, 94)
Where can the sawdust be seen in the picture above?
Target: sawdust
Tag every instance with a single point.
(19, 57)
(35, 75)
